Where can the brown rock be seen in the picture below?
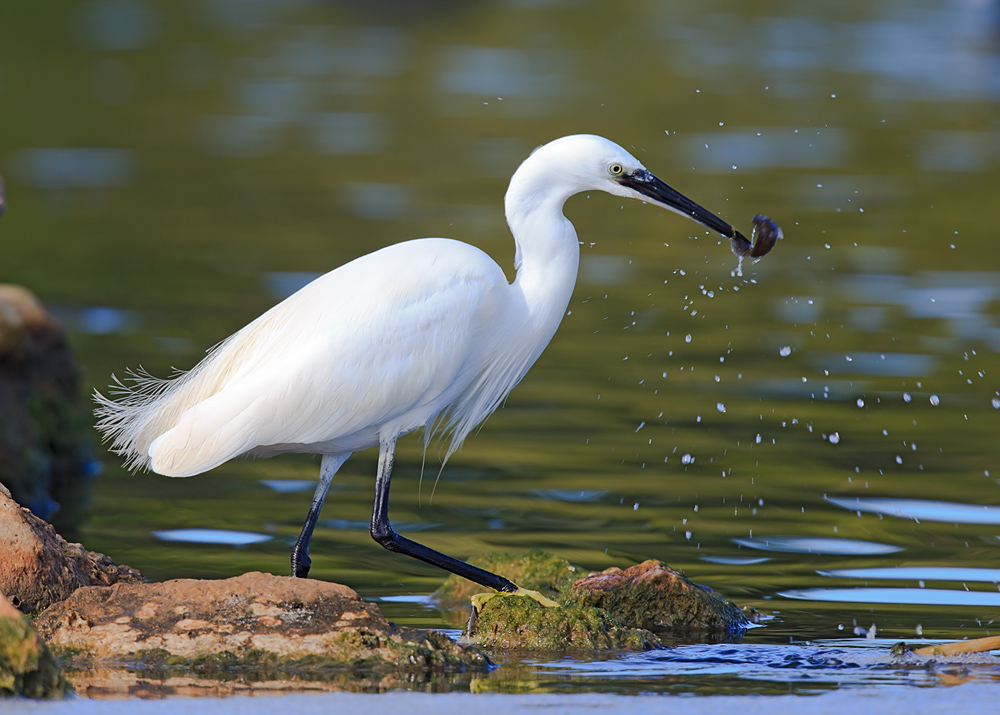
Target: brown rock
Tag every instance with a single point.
(38, 567)
(251, 621)
(652, 595)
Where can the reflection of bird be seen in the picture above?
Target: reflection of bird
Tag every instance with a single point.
(422, 333)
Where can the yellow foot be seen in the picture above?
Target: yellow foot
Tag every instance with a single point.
(480, 599)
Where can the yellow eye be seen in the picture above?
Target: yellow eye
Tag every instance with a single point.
(616, 169)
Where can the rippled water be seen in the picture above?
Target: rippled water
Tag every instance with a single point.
(816, 437)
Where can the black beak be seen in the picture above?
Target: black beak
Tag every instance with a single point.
(658, 192)
(661, 194)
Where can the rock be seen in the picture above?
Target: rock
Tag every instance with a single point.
(27, 668)
(651, 595)
(536, 570)
(256, 624)
(631, 609)
(521, 623)
(45, 457)
(39, 567)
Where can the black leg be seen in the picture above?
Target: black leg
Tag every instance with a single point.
(300, 553)
(382, 532)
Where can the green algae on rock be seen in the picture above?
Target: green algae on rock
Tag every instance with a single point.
(652, 595)
(27, 667)
(520, 623)
(613, 610)
(537, 570)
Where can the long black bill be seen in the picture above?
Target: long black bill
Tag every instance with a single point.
(661, 194)
(650, 186)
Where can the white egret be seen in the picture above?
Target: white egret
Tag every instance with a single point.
(425, 333)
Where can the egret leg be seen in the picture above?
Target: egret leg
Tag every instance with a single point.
(300, 554)
(383, 533)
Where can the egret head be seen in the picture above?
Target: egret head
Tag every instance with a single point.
(585, 162)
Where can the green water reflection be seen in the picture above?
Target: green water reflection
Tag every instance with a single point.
(679, 407)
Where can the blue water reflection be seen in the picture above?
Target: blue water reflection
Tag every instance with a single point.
(806, 545)
(289, 486)
(921, 573)
(567, 495)
(899, 596)
(74, 168)
(212, 536)
(923, 509)
(735, 561)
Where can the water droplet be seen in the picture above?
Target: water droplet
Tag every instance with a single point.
(835, 438)
(861, 403)
(899, 460)
(687, 459)
(906, 397)
(720, 407)
(687, 338)
(935, 400)
(996, 403)
(785, 351)
(758, 439)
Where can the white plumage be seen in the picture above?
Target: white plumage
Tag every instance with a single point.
(422, 333)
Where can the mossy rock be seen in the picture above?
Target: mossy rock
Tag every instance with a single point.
(648, 597)
(521, 623)
(652, 595)
(537, 570)
(27, 667)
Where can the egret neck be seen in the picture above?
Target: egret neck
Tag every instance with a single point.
(548, 252)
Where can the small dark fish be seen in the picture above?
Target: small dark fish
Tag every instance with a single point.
(765, 234)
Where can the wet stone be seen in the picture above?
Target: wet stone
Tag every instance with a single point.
(651, 595)
(257, 625)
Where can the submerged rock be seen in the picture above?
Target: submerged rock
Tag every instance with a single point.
(652, 595)
(27, 668)
(39, 567)
(256, 624)
(45, 457)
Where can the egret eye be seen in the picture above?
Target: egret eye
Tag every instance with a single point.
(616, 170)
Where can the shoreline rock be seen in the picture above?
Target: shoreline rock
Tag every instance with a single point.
(40, 568)
(256, 624)
(653, 596)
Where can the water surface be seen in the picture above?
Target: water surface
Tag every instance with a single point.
(173, 169)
